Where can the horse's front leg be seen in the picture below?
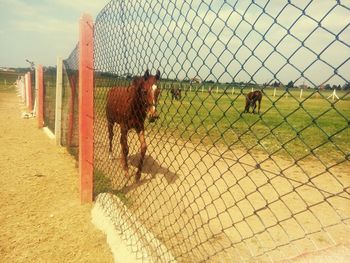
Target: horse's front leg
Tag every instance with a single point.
(142, 139)
(125, 150)
(110, 137)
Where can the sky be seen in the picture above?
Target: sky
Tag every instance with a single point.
(41, 30)
(259, 41)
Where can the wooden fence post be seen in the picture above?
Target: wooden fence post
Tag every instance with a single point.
(86, 80)
(58, 112)
(40, 79)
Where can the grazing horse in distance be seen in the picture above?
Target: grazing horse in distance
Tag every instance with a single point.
(175, 93)
(129, 107)
(251, 99)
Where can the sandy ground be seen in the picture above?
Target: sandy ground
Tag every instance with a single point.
(41, 218)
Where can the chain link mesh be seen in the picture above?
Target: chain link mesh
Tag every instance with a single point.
(217, 184)
(33, 76)
(70, 100)
(49, 79)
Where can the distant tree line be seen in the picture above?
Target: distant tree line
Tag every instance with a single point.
(275, 84)
(328, 86)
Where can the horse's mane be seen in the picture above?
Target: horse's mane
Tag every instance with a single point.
(137, 81)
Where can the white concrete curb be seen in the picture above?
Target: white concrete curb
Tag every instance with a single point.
(49, 133)
(112, 217)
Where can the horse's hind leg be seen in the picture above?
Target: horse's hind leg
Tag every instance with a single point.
(247, 105)
(110, 137)
(142, 139)
(254, 106)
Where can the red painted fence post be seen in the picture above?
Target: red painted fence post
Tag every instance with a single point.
(86, 109)
(40, 79)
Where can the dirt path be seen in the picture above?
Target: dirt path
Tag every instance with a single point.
(41, 218)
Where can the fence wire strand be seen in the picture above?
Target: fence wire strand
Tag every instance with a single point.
(218, 184)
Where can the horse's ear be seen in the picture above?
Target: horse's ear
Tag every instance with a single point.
(158, 75)
(146, 75)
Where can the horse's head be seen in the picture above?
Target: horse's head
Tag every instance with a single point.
(152, 92)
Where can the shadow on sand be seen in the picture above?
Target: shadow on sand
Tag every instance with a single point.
(151, 167)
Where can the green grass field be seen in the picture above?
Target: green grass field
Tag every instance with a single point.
(290, 123)
(287, 125)
(7, 80)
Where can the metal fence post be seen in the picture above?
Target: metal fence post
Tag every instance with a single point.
(40, 80)
(58, 111)
(86, 77)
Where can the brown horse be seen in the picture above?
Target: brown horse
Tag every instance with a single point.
(175, 93)
(129, 107)
(251, 99)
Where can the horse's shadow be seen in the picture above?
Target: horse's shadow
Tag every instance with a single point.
(151, 167)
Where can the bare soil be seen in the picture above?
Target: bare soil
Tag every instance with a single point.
(41, 218)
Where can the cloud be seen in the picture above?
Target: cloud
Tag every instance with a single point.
(37, 12)
(207, 38)
(18, 8)
(41, 29)
(50, 26)
(92, 7)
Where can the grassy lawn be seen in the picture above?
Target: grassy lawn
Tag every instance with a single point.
(287, 124)
(7, 80)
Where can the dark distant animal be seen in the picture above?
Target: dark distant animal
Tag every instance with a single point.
(175, 93)
(251, 99)
(129, 107)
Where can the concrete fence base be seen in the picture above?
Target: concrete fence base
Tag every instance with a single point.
(128, 239)
(336, 254)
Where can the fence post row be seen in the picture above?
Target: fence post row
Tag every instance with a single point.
(86, 77)
(40, 80)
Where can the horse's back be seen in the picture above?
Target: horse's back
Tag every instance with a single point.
(254, 95)
(258, 95)
(119, 103)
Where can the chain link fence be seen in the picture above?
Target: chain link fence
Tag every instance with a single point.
(70, 102)
(49, 79)
(33, 81)
(218, 184)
